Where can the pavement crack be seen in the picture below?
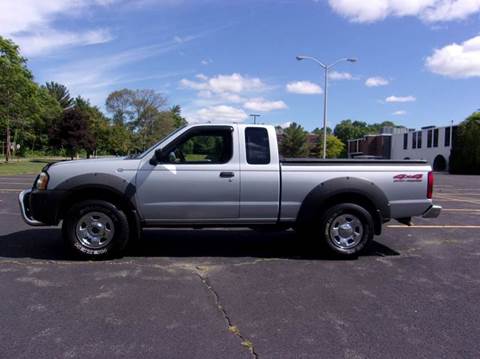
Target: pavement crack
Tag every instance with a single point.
(231, 327)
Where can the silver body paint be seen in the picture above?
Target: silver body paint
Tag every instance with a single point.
(167, 194)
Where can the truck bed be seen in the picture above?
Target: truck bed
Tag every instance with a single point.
(406, 197)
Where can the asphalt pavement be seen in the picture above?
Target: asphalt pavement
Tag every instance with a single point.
(232, 293)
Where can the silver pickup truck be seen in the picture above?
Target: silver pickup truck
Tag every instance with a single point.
(225, 175)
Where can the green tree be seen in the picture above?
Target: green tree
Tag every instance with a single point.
(319, 131)
(72, 132)
(48, 113)
(377, 127)
(349, 130)
(119, 140)
(294, 141)
(98, 125)
(17, 91)
(335, 147)
(60, 93)
(465, 154)
(145, 115)
(119, 104)
(176, 112)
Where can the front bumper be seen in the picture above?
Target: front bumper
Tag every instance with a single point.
(433, 212)
(24, 202)
(41, 208)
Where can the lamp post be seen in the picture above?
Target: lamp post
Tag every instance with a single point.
(254, 116)
(326, 68)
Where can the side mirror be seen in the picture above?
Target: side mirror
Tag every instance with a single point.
(157, 157)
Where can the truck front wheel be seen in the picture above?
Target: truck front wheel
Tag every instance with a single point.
(95, 229)
(347, 229)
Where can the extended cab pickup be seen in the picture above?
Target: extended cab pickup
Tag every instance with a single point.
(225, 175)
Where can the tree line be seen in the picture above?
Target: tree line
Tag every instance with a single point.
(295, 141)
(45, 119)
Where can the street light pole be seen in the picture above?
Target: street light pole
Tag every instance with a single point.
(254, 117)
(326, 68)
(325, 113)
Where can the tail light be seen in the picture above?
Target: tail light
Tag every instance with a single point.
(430, 185)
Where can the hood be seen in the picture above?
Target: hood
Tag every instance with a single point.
(85, 162)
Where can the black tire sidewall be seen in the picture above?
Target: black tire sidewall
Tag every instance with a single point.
(118, 218)
(347, 208)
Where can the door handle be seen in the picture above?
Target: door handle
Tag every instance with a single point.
(227, 174)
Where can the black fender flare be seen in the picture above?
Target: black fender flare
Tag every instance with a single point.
(104, 184)
(99, 182)
(319, 198)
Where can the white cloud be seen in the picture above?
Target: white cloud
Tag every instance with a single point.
(44, 42)
(304, 88)
(216, 94)
(95, 77)
(234, 83)
(206, 62)
(399, 113)
(262, 105)
(219, 97)
(456, 60)
(376, 81)
(334, 75)
(427, 10)
(223, 89)
(30, 23)
(201, 77)
(392, 99)
(221, 113)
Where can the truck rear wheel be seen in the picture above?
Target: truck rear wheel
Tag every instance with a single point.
(347, 229)
(95, 229)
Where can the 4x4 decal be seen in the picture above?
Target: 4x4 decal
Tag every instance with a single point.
(408, 178)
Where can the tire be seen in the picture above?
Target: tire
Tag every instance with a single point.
(95, 229)
(346, 229)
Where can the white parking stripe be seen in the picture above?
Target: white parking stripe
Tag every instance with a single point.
(456, 199)
(433, 226)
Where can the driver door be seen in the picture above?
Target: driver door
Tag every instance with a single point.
(197, 180)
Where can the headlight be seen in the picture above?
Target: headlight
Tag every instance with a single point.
(42, 181)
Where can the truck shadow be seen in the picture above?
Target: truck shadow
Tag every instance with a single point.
(47, 244)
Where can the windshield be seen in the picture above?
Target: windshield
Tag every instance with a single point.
(144, 153)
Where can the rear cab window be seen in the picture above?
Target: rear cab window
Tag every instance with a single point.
(257, 146)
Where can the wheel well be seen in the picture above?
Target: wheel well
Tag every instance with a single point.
(361, 200)
(98, 194)
(108, 195)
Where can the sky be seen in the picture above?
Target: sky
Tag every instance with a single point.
(418, 60)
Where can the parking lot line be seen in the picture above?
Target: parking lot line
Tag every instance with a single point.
(460, 210)
(15, 183)
(451, 188)
(11, 190)
(433, 226)
(459, 194)
(456, 199)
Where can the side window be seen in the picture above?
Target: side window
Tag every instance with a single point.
(447, 136)
(435, 137)
(209, 146)
(429, 138)
(258, 146)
